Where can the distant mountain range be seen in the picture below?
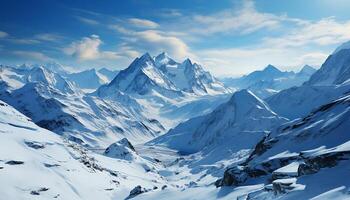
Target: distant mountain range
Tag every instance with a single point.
(270, 80)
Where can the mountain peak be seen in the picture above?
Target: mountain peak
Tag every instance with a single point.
(244, 96)
(245, 100)
(163, 55)
(146, 56)
(163, 59)
(271, 68)
(187, 62)
(307, 69)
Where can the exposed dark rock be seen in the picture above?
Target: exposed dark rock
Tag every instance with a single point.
(37, 192)
(164, 186)
(34, 193)
(281, 187)
(255, 172)
(305, 169)
(232, 176)
(75, 139)
(315, 163)
(122, 149)
(136, 191)
(34, 145)
(156, 122)
(192, 184)
(262, 146)
(14, 162)
(51, 165)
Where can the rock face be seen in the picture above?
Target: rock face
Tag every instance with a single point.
(122, 149)
(232, 176)
(282, 186)
(136, 191)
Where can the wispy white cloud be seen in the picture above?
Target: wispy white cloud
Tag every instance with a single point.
(323, 32)
(50, 37)
(170, 13)
(32, 55)
(87, 20)
(154, 41)
(236, 20)
(3, 34)
(26, 41)
(88, 49)
(143, 23)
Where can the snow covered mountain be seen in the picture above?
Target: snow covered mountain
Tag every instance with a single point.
(163, 76)
(110, 74)
(82, 118)
(15, 78)
(28, 151)
(242, 121)
(297, 102)
(331, 81)
(88, 79)
(92, 79)
(56, 104)
(335, 70)
(169, 91)
(302, 159)
(187, 76)
(270, 80)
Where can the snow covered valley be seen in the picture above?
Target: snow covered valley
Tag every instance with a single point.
(162, 129)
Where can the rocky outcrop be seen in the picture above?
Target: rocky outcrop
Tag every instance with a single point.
(136, 191)
(122, 149)
(287, 167)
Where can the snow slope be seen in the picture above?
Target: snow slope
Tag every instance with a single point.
(297, 102)
(68, 171)
(88, 79)
(243, 114)
(83, 118)
(314, 149)
(225, 136)
(335, 70)
(110, 74)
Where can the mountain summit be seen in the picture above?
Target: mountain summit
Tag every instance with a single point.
(164, 76)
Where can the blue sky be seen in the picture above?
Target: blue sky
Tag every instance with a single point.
(228, 37)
